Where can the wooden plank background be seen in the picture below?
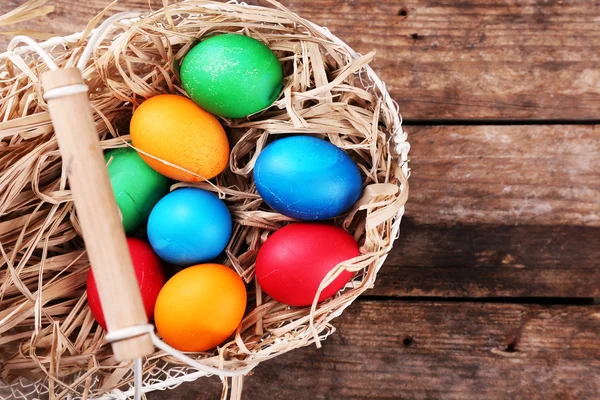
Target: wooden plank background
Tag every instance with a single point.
(447, 59)
(489, 292)
(423, 350)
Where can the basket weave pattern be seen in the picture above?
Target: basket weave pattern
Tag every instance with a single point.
(48, 335)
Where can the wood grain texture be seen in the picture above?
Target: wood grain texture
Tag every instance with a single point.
(97, 211)
(483, 196)
(479, 246)
(478, 195)
(500, 211)
(495, 211)
(492, 261)
(442, 59)
(419, 350)
(521, 174)
(497, 59)
(490, 282)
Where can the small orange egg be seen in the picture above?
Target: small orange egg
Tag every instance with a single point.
(173, 128)
(200, 307)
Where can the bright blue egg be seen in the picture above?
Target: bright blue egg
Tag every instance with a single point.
(307, 178)
(189, 226)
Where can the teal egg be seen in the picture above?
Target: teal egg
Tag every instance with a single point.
(136, 186)
(232, 75)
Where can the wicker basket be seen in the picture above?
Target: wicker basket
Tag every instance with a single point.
(50, 343)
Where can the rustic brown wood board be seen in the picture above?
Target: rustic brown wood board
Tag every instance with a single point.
(489, 292)
(448, 59)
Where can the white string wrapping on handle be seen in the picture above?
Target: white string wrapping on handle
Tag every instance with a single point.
(64, 91)
(135, 331)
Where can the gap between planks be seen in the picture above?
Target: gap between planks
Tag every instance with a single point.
(445, 60)
(407, 123)
(549, 301)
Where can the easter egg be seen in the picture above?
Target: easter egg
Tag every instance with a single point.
(200, 307)
(148, 272)
(294, 260)
(232, 75)
(174, 135)
(307, 178)
(189, 226)
(136, 186)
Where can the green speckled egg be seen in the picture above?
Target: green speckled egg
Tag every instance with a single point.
(136, 186)
(232, 75)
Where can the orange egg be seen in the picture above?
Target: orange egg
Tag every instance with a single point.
(174, 129)
(200, 307)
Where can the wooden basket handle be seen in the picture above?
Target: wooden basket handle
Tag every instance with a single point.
(68, 103)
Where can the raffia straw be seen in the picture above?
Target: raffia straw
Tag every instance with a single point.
(47, 332)
(25, 12)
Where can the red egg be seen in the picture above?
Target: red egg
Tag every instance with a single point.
(148, 271)
(294, 260)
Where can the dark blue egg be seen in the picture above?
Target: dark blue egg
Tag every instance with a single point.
(307, 178)
(189, 226)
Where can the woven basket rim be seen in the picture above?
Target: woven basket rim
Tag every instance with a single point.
(399, 137)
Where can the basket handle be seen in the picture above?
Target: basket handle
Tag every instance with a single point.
(71, 114)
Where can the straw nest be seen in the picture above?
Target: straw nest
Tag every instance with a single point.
(47, 333)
